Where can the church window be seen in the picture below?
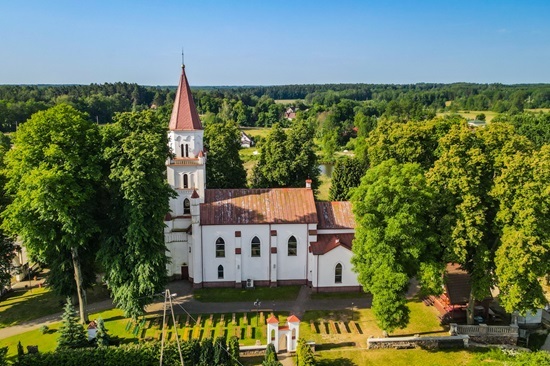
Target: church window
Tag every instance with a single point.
(220, 272)
(185, 181)
(186, 207)
(186, 150)
(255, 247)
(220, 248)
(182, 150)
(292, 246)
(338, 273)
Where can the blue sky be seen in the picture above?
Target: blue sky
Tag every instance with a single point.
(260, 42)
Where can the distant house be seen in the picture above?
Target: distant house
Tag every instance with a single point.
(290, 113)
(476, 123)
(246, 141)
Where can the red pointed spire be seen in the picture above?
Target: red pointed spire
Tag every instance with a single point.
(184, 115)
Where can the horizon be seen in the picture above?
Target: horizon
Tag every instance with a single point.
(251, 43)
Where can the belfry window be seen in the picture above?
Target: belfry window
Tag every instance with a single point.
(292, 246)
(186, 150)
(185, 181)
(338, 273)
(255, 247)
(186, 207)
(220, 248)
(220, 272)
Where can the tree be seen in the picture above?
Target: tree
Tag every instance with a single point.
(224, 168)
(302, 159)
(101, 337)
(395, 238)
(464, 177)
(270, 358)
(234, 351)
(272, 168)
(207, 352)
(304, 354)
(221, 356)
(346, 174)
(53, 173)
(72, 334)
(287, 160)
(523, 256)
(133, 253)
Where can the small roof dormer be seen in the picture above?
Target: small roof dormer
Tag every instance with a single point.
(184, 114)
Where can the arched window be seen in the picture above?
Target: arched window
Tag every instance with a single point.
(220, 272)
(292, 246)
(220, 248)
(255, 247)
(186, 207)
(186, 150)
(182, 150)
(185, 181)
(338, 273)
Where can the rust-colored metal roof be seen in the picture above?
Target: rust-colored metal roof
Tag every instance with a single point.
(457, 284)
(335, 215)
(184, 114)
(258, 206)
(326, 242)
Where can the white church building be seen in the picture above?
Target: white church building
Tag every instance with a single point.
(248, 237)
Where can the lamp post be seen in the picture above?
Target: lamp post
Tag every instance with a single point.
(257, 304)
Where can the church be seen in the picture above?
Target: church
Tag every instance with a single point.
(248, 237)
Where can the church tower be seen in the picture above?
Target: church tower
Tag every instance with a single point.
(186, 174)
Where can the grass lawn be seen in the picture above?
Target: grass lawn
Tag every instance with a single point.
(23, 305)
(339, 295)
(354, 356)
(287, 101)
(246, 295)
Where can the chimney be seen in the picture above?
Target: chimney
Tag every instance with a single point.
(308, 183)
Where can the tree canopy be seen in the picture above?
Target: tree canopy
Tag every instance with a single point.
(224, 168)
(395, 238)
(133, 254)
(53, 172)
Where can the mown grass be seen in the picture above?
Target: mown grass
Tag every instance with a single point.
(362, 357)
(246, 295)
(489, 115)
(23, 305)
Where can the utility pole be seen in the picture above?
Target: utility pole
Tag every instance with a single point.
(168, 301)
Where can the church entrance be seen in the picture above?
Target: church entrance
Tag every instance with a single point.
(184, 272)
(282, 343)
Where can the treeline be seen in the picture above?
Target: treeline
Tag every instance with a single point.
(100, 101)
(255, 105)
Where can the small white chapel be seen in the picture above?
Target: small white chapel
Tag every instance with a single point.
(248, 237)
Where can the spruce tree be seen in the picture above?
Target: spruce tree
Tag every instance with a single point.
(101, 337)
(234, 350)
(72, 333)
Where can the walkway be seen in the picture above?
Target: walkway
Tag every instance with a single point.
(184, 302)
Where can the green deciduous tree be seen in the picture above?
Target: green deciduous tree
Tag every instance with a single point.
(53, 173)
(133, 254)
(464, 177)
(287, 160)
(523, 256)
(224, 168)
(71, 333)
(395, 238)
(346, 174)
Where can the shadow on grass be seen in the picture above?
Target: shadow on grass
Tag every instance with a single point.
(337, 361)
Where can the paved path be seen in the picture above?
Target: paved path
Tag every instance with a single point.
(184, 302)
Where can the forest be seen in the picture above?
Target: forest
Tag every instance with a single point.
(255, 105)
